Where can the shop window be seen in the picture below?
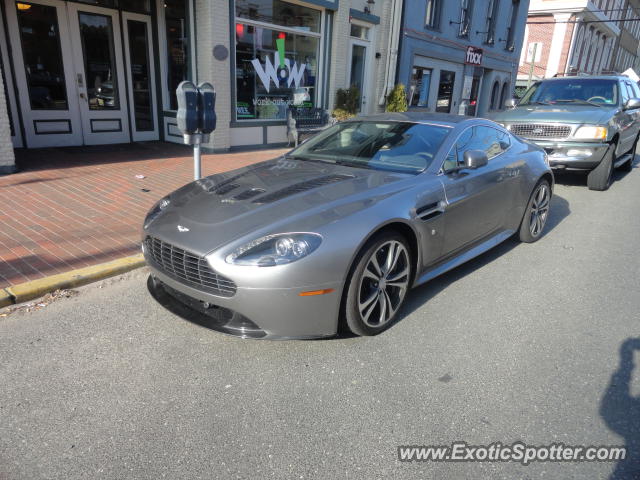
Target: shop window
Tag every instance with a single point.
(504, 95)
(432, 15)
(276, 65)
(495, 92)
(279, 13)
(358, 31)
(490, 23)
(177, 31)
(466, 7)
(515, 7)
(419, 87)
(42, 53)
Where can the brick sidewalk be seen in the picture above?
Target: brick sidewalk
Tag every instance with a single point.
(75, 207)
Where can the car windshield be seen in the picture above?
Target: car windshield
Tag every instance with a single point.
(397, 146)
(575, 90)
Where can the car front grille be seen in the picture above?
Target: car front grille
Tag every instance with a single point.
(540, 130)
(187, 268)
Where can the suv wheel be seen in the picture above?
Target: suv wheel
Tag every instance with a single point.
(600, 177)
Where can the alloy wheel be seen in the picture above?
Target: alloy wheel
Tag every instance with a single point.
(539, 210)
(383, 284)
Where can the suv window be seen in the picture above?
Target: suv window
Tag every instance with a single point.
(487, 139)
(624, 92)
(635, 89)
(573, 90)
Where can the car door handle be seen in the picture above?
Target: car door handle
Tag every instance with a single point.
(431, 210)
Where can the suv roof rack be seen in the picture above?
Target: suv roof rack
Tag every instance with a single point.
(604, 73)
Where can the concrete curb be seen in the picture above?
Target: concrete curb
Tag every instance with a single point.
(24, 292)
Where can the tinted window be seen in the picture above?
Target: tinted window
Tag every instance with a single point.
(636, 90)
(398, 146)
(574, 90)
(487, 139)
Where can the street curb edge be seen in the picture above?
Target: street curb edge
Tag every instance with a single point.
(24, 292)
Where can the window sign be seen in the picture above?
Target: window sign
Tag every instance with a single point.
(276, 65)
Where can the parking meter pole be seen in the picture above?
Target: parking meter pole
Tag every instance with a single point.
(197, 164)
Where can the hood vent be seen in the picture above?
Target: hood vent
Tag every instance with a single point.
(229, 184)
(252, 192)
(301, 187)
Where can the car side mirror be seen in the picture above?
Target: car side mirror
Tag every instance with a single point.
(475, 159)
(632, 103)
(511, 103)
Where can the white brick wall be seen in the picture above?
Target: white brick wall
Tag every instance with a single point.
(7, 158)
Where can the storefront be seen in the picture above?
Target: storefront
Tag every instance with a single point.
(80, 74)
(105, 71)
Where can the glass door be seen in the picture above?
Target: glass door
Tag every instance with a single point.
(44, 72)
(99, 73)
(357, 70)
(140, 71)
(445, 91)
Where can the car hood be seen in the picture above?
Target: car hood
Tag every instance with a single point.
(554, 114)
(264, 197)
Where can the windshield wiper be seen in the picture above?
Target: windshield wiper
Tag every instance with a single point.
(351, 163)
(537, 102)
(577, 100)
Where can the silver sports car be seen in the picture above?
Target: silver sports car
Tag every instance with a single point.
(334, 234)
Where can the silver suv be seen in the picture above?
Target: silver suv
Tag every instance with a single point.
(585, 123)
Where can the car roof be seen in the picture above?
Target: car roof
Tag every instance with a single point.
(447, 119)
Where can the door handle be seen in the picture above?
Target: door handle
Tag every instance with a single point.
(82, 95)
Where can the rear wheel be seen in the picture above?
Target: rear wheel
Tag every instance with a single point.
(600, 177)
(378, 284)
(536, 214)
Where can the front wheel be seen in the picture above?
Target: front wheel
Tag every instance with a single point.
(600, 177)
(378, 284)
(536, 213)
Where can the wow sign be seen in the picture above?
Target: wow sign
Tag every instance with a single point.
(287, 70)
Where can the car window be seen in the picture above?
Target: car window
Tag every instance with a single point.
(398, 146)
(487, 139)
(635, 89)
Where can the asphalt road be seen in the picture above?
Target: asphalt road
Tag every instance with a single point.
(520, 344)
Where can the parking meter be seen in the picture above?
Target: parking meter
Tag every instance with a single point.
(206, 109)
(187, 116)
(196, 117)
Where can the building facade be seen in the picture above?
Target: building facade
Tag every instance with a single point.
(579, 36)
(460, 56)
(105, 71)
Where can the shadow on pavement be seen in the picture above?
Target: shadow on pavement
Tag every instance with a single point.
(621, 412)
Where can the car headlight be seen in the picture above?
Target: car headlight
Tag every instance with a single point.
(275, 249)
(590, 132)
(160, 205)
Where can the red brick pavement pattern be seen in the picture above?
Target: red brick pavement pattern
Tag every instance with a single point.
(74, 207)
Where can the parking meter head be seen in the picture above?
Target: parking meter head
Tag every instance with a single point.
(207, 107)
(187, 116)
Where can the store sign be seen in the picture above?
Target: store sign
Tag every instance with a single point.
(286, 70)
(474, 56)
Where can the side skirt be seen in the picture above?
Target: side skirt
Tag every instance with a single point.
(464, 257)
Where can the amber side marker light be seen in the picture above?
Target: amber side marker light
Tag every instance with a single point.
(316, 292)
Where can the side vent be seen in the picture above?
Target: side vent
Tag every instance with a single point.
(301, 187)
(429, 211)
